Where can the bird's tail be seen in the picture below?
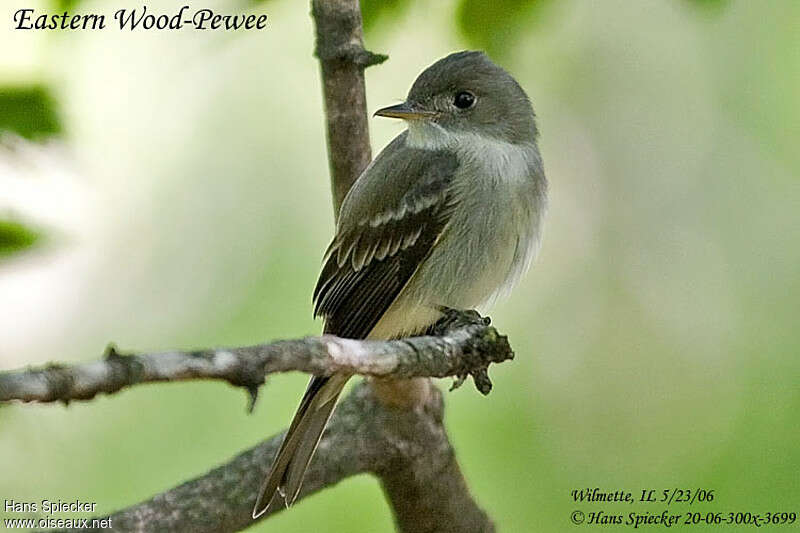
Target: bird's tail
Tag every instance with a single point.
(286, 475)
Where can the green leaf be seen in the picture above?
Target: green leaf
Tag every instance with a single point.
(375, 11)
(29, 111)
(65, 5)
(14, 237)
(494, 26)
(255, 3)
(708, 7)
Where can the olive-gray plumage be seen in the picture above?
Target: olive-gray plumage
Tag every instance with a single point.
(447, 215)
(502, 108)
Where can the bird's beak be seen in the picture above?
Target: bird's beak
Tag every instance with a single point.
(404, 111)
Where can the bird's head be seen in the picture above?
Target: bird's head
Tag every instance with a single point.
(465, 94)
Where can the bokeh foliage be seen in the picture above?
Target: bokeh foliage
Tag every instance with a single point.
(15, 237)
(29, 111)
(656, 336)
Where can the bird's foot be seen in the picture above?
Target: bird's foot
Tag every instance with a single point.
(458, 318)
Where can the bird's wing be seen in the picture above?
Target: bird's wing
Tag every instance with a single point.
(388, 225)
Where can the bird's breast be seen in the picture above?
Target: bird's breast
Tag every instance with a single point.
(494, 233)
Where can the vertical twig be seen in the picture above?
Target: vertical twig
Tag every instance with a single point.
(342, 57)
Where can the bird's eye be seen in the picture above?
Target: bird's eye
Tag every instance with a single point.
(464, 100)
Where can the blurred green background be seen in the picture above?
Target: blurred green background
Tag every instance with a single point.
(170, 190)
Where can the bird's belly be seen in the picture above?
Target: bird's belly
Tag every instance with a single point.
(487, 246)
(468, 271)
(484, 252)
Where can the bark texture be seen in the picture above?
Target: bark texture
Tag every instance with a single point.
(462, 348)
(364, 435)
(342, 59)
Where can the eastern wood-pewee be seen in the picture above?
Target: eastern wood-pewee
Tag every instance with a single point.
(448, 215)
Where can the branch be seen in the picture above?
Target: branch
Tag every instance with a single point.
(364, 435)
(467, 345)
(342, 58)
(407, 449)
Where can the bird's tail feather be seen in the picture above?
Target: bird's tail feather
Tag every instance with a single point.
(286, 475)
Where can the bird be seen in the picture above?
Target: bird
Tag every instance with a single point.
(447, 216)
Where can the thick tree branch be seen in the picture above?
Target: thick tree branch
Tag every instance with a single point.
(342, 58)
(407, 450)
(466, 346)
